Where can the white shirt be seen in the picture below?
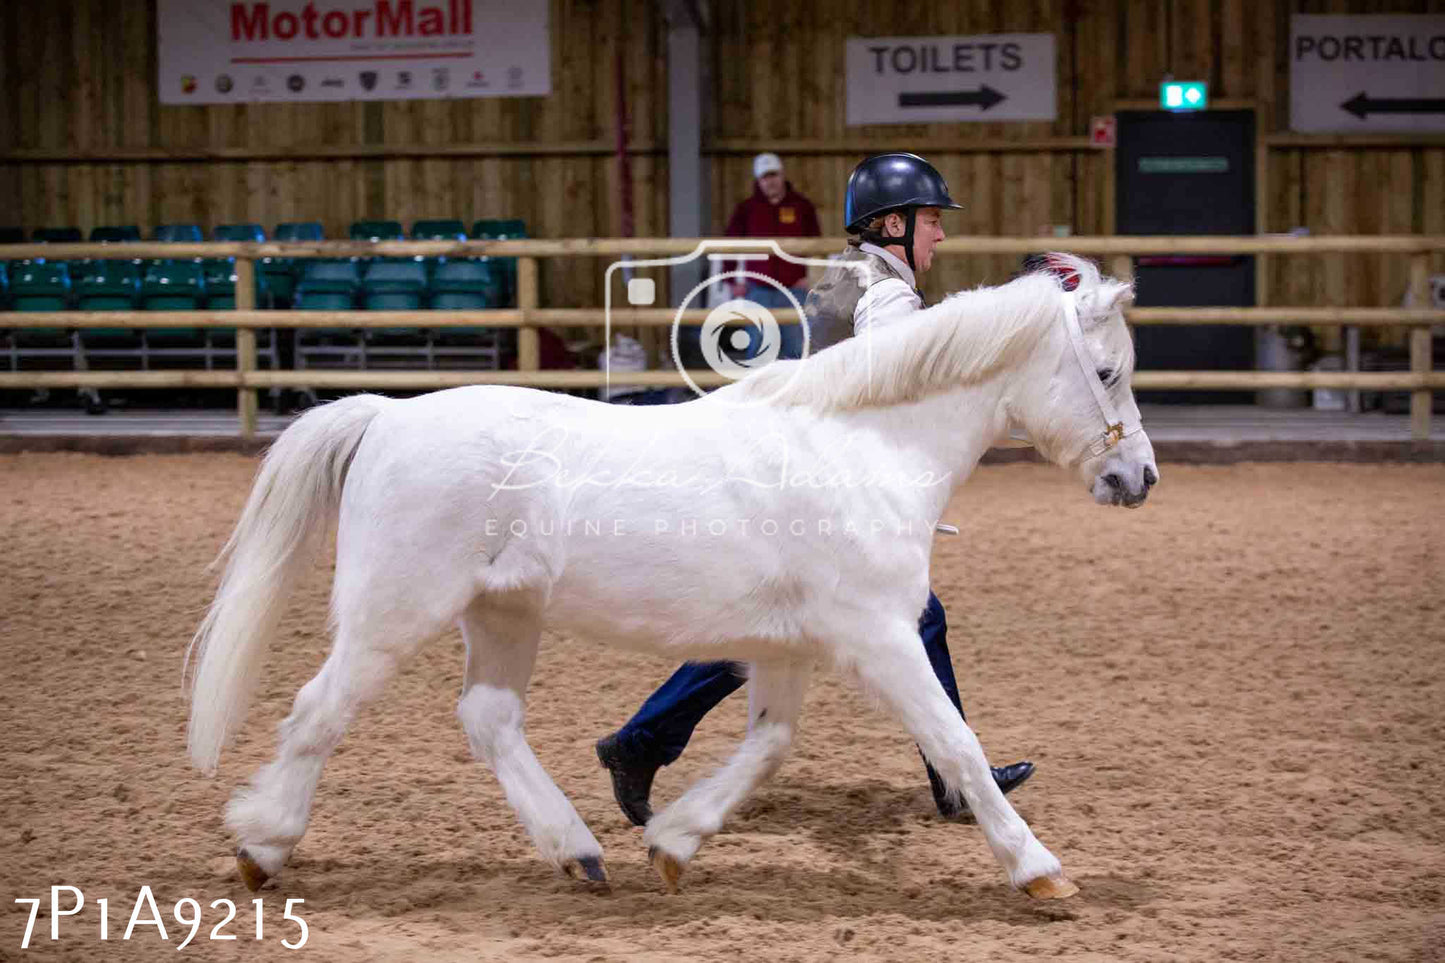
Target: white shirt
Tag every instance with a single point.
(889, 299)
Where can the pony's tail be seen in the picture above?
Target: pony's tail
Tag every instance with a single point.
(297, 492)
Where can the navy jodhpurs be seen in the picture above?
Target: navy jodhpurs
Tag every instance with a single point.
(658, 732)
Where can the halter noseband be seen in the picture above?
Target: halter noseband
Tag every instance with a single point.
(1115, 428)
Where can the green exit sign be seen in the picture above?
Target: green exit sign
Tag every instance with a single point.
(1184, 95)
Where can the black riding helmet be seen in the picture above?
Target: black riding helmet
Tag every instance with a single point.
(893, 182)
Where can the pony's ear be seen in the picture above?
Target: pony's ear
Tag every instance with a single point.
(1099, 303)
(1118, 295)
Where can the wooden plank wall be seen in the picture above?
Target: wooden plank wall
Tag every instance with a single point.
(79, 80)
(780, 76)
(79, 77)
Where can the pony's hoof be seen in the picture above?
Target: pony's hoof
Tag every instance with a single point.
(588, 869)
(1051, 887)
(251, 872)
(667, 867)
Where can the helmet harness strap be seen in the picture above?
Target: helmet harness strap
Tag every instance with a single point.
(910, 220)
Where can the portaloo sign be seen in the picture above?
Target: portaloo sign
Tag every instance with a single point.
(1367, 74)
(219, 52)
(913, 80)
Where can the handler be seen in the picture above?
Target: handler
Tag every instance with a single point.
(894, 204)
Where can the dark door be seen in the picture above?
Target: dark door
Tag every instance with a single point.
(1190, 174)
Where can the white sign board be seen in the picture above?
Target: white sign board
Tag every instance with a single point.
(221, 52)
(1353, 74)
(914, 80)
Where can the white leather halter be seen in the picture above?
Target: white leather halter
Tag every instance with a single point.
(1116, 429)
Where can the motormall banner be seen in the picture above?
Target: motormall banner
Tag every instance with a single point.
(219, 51)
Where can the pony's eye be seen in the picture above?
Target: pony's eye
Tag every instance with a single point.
(1106, 375)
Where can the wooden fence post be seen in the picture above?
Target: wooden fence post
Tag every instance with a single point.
(1122, 266)
(246, 345)
(529, 352)
(1420, 346)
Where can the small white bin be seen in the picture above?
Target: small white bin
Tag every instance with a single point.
(1329, 399)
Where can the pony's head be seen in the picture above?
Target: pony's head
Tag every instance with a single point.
(1077, 404)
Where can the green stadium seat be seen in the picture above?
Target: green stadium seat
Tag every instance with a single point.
(300, 231)
(498, 228)
(4, 287)
(330, 275)
(377, 231)
(108, 286)
(394, 286)
(327, 285)
(219, 275)
(323, 300)
(280, 272)
(179, 233)
(220, 279)
(173, 289)
(172, 286)
(40, 285)
(464, 285)
(239, 232)
(380, 231)
(115, 234)
(505, 268)
(439, 230)
(57, 235)
(280, 281)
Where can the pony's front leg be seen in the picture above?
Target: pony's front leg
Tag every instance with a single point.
(894, 665)
(502, 638)
(775, 698)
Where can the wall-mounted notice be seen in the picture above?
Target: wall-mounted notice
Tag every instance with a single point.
(220, 51)
(1351, 74)
(912, 80)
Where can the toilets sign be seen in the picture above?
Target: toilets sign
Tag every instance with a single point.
(1364, 74)
(913, 80)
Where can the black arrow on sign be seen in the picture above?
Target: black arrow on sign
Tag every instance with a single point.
(984, 98)
(1362, 106)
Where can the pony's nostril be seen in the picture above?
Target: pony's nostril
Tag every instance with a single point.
(1150, 479)
(1114, 482)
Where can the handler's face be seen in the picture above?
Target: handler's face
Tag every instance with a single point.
(927, 232)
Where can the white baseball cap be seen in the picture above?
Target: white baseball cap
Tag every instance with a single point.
(766, 164)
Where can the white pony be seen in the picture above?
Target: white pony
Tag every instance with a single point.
(784, 518)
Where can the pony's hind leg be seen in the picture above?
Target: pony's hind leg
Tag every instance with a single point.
(270, 816)
(502, 633)
(775, 699)
(381, 621)
(893, 665)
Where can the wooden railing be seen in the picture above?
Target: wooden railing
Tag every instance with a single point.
(1420, 380)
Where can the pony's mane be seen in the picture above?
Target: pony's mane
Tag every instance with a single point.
(963, 340)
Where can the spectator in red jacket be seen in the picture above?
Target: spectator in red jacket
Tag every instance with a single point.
(775, 210)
